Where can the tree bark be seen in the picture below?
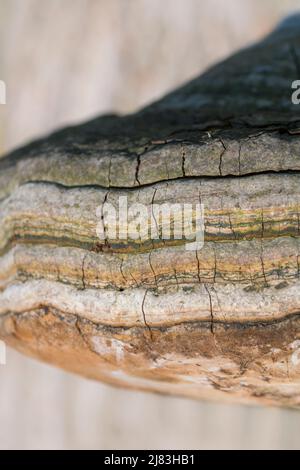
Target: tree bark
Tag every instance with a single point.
(218, 323)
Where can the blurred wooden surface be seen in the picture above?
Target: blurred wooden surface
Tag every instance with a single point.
(65, 61)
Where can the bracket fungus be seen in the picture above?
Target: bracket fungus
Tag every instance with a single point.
(221, 322)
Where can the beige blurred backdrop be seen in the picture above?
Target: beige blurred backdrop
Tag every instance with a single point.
(64, 61)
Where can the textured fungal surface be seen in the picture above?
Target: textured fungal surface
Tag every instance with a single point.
(221, 322)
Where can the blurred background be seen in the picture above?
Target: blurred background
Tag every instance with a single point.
(65, 61)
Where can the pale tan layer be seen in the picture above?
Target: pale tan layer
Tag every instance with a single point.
(134, 307)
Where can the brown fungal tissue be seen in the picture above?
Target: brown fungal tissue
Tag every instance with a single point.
(219, 322)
